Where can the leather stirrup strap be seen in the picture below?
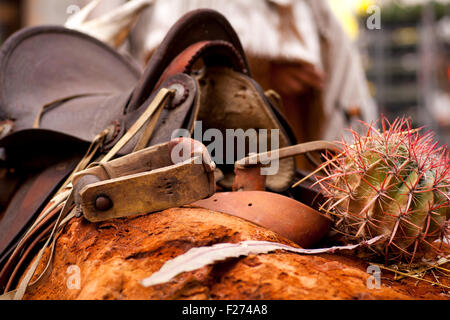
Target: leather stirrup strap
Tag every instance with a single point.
(62, 219)
(147, 134)
(160, 99)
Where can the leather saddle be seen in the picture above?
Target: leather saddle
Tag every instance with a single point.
(59, 89)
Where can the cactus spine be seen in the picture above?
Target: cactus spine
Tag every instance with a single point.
(393, 182)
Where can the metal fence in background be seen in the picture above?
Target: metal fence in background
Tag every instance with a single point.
(408, 66)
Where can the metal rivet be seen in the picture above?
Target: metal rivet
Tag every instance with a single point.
(103, 203)
(180, 96)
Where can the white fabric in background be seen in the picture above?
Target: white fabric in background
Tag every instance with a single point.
(256, 23)
(322, 42)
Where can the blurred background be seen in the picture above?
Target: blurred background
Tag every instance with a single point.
(404, 46)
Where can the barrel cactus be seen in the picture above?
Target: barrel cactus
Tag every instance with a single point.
(393, 182)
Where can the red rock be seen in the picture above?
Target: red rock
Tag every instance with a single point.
(115, 256)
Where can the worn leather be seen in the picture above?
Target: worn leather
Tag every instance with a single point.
(45, 64)
(76, 87)
(20, 212)
(146, 181)
(98, 87)
(288, 217)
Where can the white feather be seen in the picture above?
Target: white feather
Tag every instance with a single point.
(197, 258)
(79, 18)
(112, 27)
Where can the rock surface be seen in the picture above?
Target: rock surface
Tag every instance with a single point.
(113, 257)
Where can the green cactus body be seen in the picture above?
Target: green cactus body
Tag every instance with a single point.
(394, 183)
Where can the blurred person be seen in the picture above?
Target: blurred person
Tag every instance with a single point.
(298, 48)
(295, 47)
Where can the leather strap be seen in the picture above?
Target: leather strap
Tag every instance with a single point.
(248, 170)
(37, 120)
(40, 235)
(288, 217)
(65, 216)
(48, 215)
(27, 202)
(287, 152)
(160, 99)
(146, 135)
(28, 243)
